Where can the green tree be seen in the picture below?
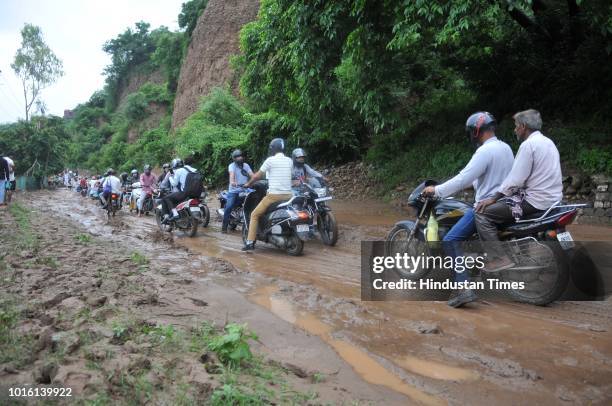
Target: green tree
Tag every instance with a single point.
(190, 12)
(36, 65)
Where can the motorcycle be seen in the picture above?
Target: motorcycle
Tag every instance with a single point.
(286, 225)
(189, 211)
(325, 221)
(204, 210)
(236, 214)
(134, 190)
(538, 244)
(113, 205)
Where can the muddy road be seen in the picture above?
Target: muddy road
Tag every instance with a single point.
(402, 352)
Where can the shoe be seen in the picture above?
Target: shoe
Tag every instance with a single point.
(499, 264)
(249, 247)
(461, 297)
(224, 230)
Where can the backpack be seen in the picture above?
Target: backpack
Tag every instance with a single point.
(193, 184)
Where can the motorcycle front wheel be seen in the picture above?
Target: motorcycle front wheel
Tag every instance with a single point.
(205, 213)
(328, 228)
(398, 242)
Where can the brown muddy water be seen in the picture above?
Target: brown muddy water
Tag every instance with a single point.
(506, 353)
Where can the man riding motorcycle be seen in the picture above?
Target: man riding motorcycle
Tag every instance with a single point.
(110, 185)
(534, 184)
(162, 176)
(277, 169)
(239, 174)
(302, 172)
(134, 176)
(147, 181)
(485, 171)
(189, 184)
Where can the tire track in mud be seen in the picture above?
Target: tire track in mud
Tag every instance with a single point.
(490, 351)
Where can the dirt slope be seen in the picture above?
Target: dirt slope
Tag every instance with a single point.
(214, 41)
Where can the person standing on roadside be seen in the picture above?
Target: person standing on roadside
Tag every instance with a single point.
(11, 184)
(4, 177)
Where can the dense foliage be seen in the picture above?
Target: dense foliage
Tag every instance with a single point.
(395, 80)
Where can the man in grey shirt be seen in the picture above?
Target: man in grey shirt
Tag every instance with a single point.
(534, 183)
(488, 167)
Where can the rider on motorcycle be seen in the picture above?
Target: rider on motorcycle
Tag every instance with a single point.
(111, 184)
(166, 169)
(534, 184)
(147, 181)
(277, 169)
(486, 170)
(188, 188)
(239, 174)
(134, 176)
(302, 172)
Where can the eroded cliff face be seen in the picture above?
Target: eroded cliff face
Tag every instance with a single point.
(207, 63)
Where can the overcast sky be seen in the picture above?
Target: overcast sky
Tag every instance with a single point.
(75, 30)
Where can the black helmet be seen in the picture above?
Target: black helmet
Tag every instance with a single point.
(147, 167)
(479, 122)
(110, 171)
(123, 176)
(177, 163)
(276, 145)
(166, 166)
(298, 153)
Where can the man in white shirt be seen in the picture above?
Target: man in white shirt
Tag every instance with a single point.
(277, 169)
(534, 184)
(485, 172)
(111, 184)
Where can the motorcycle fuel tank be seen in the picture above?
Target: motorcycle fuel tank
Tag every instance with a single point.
(449, 211)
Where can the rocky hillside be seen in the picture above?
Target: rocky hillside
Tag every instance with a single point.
(207, 63)
(135, 80)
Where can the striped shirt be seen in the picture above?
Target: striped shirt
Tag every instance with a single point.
(278, 172)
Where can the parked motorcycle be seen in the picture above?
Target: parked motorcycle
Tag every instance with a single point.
(285, 224)
(325, 221)
(538, 244)
(189, 218)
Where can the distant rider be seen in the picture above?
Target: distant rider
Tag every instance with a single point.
(147, 181)
(111, 184)
(302, 172)
(189, 184)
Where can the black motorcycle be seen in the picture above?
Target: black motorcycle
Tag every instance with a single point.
(189, 218)
(285, 224)
(325, 221)
(113, 205)
(537, 243)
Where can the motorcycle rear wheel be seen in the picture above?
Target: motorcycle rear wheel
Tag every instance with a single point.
(557, 288)
(193, 227)
(295, 246)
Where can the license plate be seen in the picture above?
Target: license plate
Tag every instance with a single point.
(194, 209)
(566, 240)
(322, 199)
(303, 228)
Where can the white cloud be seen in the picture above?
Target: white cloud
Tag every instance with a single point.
(75, 30)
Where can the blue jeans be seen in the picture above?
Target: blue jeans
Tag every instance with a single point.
(2, 190)
(461, 231)
(232, 199)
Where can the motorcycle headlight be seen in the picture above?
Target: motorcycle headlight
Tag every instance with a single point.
(321, 191)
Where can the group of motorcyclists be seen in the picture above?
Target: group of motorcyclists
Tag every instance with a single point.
(506, 187)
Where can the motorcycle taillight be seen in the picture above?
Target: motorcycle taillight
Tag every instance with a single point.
(194, 202)
(567, 218)
(115, 196)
